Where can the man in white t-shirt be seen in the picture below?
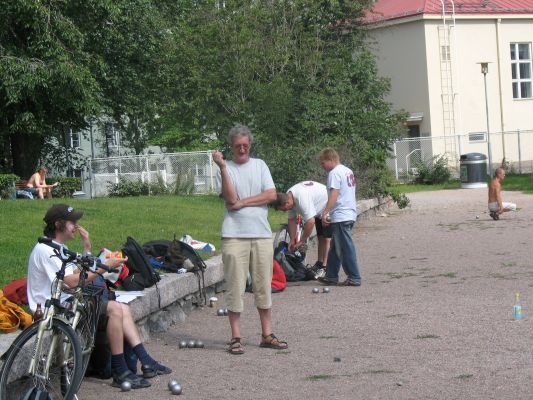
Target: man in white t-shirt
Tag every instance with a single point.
(341, 213)
(307, 198)
(62, 226)
(247, 188)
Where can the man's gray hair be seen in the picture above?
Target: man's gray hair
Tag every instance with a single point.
(240, 130)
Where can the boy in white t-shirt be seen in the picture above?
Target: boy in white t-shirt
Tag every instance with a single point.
(340, 212)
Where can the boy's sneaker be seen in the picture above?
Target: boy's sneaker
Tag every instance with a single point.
(494, 215)
(328, 281)
(349, 282)
(320, 273)
(136, 381)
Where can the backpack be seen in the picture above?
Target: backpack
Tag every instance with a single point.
(16, 291)
(12, 317)
(176, 255)
(141, 274)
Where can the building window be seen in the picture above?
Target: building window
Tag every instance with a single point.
(111, 135)
(521, 70)
(74, 140)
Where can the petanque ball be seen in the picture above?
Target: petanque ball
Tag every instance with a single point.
(325, 290)
(220, 312)
(176, 389)
(171, 383)
(315, 290)
(477, 216)
(191, 344)
(125, 386)
(183, 344)
(199, 344)
(225, 311)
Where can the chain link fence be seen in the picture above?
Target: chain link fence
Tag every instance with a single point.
(516, 147)
(191, 172)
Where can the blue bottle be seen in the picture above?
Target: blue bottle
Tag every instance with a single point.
(517, 308)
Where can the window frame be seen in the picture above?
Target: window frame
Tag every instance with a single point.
(517, 81)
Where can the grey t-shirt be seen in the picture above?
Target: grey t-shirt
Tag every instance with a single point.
(249, 179)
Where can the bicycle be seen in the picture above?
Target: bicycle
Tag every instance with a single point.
(50, 357)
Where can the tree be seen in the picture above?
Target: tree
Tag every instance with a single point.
(298, 72)
(46, 85)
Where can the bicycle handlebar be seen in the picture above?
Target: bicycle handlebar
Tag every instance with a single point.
(87, 262)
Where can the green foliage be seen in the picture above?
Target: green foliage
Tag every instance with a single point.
(7, 185)
(184, 183)
(159, 187)
(433, 171)
(125, 188)
(67, 185)
(400, 198)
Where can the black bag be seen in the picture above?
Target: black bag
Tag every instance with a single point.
(141, 274)
(178, 255)
(292, 264)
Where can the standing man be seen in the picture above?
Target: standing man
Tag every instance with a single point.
(308, 199)
(340, 213)
(496, 205)
(247, 188)
(37, 184)
(62, 226)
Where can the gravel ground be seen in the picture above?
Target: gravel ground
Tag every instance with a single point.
(432, 320)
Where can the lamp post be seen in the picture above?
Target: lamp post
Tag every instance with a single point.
(484, 71)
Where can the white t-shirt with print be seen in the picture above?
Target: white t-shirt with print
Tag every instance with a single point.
(343, 179)
(310, 199)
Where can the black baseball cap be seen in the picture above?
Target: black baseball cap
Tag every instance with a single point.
(62, 211)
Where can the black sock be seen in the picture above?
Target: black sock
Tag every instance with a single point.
(118, 364)
(143, 355)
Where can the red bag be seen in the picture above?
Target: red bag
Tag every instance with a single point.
(279, 281)
(16, 291)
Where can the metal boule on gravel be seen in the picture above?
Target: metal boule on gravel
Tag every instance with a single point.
(183, 344)
(191, 344)
(176, 389)
(225, 311)
(171, 383)
(315, 290)
(220, 312)
(125, 386)
(337, 359)
(325, 290)
(212, 301)
(199, 344)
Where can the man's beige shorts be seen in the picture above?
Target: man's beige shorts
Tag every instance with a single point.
(243, 256)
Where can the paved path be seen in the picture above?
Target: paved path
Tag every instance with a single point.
(432, 319)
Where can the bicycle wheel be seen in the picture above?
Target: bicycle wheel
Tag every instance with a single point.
(85, 330)
(58, 364)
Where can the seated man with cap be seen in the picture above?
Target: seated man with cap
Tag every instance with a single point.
(62, 226)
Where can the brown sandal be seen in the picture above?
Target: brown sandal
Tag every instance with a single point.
(272, 342)
(235, 346)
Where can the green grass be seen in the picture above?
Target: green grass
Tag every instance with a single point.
(110, 221)
(522, 183)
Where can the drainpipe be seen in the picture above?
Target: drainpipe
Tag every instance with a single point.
(498, 60)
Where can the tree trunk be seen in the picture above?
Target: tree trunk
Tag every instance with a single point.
(25, 151)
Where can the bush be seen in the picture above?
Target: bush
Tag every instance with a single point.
(159, 187)
(67, 185)
(434, 171)
(125, 188)
(7, 185)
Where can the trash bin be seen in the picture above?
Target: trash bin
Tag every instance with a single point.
(473, 170)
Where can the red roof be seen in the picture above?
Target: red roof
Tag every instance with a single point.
(384, 10)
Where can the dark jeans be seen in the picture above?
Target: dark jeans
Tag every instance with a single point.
(342, 251)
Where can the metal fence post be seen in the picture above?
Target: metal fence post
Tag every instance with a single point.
(395, 161)
(519, 154)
